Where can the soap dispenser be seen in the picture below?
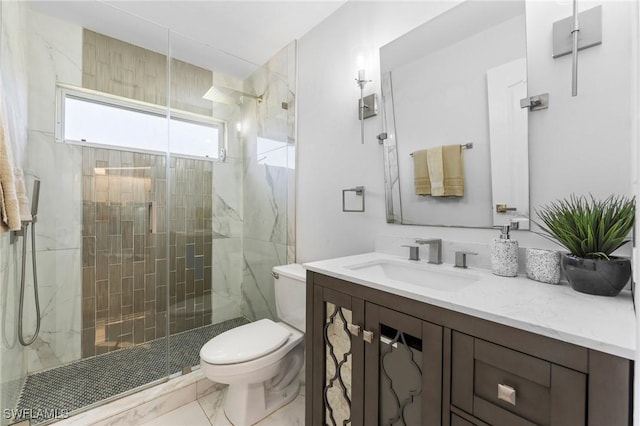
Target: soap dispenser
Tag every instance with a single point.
(504, 253)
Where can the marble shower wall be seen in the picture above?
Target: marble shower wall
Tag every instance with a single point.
(228, 212)
(54, 54)
(269, 181)
(13, 107)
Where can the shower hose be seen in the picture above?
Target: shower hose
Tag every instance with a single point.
(25, 228)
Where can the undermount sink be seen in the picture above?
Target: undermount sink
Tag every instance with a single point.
(420, 274)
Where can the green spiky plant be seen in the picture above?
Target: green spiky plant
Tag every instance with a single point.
(587, 227)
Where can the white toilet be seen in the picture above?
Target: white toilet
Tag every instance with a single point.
(260, 361)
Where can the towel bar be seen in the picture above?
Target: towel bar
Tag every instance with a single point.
(462, 145)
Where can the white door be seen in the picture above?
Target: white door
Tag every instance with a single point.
(508, 141)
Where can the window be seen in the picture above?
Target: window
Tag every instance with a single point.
(93, 118)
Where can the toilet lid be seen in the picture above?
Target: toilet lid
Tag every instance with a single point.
(245, 343)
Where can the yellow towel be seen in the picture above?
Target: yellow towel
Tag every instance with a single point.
(421, 181)
(453, 170)
(436, 170)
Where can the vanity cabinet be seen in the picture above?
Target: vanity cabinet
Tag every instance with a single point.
(371, 362)
(378, 358)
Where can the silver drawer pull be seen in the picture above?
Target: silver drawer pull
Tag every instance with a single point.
(354, 329)
(507, 393)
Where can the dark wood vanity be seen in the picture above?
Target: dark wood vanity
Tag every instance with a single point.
(447, 368)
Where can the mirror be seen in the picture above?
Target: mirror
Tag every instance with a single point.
(457, 81)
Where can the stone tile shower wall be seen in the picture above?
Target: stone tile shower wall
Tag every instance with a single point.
(123, 69)
(124, 278)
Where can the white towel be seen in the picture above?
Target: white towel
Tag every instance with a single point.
(436, 171)
(9, 204)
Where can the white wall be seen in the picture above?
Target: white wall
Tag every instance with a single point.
(330, 156)
(578, 145)
(582, 143)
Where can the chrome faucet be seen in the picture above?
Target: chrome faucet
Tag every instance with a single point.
(414, 252)
(435, 249)
(461, 259)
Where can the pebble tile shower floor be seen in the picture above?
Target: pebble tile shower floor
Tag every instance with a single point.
(85, 382)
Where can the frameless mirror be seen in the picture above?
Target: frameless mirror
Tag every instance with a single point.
(457, 80)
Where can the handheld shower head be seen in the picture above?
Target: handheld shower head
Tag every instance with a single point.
(35, 197)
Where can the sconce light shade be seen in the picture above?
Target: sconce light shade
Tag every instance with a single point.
(362, 63)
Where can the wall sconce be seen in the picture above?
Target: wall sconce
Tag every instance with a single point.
(580, 31)
(367, 105)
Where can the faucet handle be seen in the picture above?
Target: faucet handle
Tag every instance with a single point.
(414, 252)
(461, 258)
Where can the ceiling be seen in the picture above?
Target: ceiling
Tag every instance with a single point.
(234, 37)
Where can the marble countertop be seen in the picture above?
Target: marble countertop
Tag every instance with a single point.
(606, 324)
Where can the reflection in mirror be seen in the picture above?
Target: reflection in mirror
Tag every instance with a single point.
(456, 142)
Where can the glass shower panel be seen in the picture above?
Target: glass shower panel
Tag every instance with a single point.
(99, 261)
(268, 186)
(124, 228)
(13, 103)
(205, 198)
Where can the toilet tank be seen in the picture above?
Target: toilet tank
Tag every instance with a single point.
(290, 290)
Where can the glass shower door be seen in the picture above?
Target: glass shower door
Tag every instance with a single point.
(99, 258)
(204, 200)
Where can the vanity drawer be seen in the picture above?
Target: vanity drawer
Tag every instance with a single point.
(459, 421)
(505, 387)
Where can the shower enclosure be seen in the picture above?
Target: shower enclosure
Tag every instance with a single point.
(162, 210)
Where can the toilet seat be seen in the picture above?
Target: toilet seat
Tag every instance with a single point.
(245, 343)
(256, 366)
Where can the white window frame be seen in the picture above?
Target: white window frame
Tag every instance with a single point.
(64, 91)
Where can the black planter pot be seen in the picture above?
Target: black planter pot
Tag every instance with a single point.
(601, 277)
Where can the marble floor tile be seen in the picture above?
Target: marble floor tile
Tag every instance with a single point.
(190, 414)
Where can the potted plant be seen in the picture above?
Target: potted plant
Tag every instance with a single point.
(591, 230)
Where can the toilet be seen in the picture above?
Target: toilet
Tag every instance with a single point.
(260, 361)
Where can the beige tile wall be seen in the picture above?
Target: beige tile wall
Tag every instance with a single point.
(126, 293)
(114, 66)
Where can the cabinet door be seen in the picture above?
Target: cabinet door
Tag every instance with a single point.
(403, 369)
(336, 354)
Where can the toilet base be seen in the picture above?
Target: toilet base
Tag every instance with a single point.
(246, 405)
